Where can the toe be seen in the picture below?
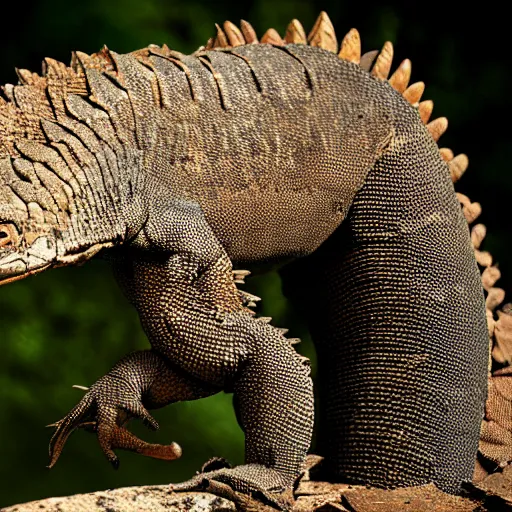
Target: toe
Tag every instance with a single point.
(64, 427)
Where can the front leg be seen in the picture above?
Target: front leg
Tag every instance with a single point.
(140, 381)
(183, 288)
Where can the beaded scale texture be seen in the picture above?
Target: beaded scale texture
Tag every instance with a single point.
(178, 167)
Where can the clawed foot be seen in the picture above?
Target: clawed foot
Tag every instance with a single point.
(105, 409)
(252, 487)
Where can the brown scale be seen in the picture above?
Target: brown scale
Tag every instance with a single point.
(323, 35)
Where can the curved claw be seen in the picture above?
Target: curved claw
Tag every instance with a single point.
(137, 410)
(105, 417)
(64, 427)
(125, 440)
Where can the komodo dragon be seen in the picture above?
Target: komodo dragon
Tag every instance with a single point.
(179, 167)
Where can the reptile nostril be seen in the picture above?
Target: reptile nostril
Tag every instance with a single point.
(8, 235)
(5, 238)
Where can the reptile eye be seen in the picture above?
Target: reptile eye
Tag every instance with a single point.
(8, 235)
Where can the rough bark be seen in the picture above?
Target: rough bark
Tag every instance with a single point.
(494, 493)
(156, 498)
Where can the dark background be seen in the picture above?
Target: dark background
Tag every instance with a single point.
(69, 326)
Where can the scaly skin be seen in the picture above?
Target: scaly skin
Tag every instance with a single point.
(253, 154)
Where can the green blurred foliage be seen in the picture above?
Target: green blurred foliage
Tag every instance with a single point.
(70, 326)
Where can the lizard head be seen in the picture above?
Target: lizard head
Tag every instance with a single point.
(28, 251)
(24, 252)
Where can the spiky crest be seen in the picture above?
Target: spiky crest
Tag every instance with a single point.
(41, 97)
(494, 442)
(323, 36)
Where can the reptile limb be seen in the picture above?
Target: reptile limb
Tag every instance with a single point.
(139, 381)
(193, 314)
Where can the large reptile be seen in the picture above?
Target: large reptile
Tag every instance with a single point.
(255, 151)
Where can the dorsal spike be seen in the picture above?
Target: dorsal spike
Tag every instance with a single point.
(425, 110)
(446, 154)
(271, 36)
(295, 33)
(351, 47)
(471, 212)
(495, 296)
(54, 67)
(248, 32)
(322, 34)
(383, 63)
(165, 50)
(221, 40)
(75, 63)
(437, 127)
(478, 232)
(367, 59)
(483, 258)
(233, 34)
(400, 78)
(489, 277)
(414, 92)
(458, 166)
(210, 43)
(26, 77)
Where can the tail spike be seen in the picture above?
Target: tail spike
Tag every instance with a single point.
(495, 297)
(383, 63)
(271, 36)
(25, 76)
(446, 154)
(351, 47)
(323, 35)
(470, 210)
(367, 59)
(248, 32)
(425, 110)
(483, 258)
(414, 92)
(295, 33)
(478, 233)
(458, 166)
(489, 277)
(437, 127)
(503, 336)
(221, 40)
(400, 78)
(294, 341)
(233, 34)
